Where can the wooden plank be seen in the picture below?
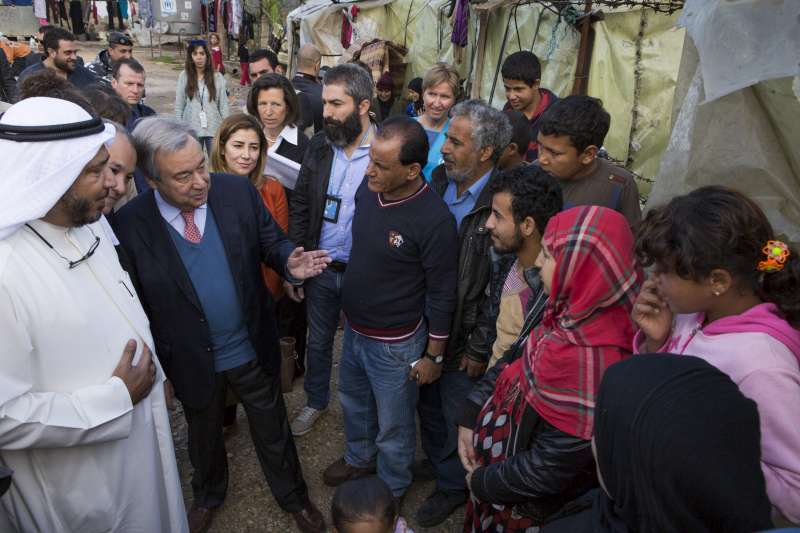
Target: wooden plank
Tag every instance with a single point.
(483, 30)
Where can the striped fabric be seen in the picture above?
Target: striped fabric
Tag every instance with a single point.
(586, 325)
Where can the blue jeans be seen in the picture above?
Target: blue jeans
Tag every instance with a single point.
(323, 305)
(378, 402)
(438, 407)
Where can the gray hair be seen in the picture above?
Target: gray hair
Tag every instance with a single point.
(357, 81)
(159, 134)
(119, 129)
(490, 127)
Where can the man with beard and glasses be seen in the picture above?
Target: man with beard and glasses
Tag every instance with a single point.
(83, 419)
(321, 216)
(474, 142)
(523, 200)
(61, 55)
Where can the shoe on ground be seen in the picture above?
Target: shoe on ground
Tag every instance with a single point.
(340, 471)
(310, 520)
(304, 421)
(199, 518)
(423, 471)
(439, 506)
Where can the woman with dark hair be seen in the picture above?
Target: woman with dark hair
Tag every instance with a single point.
(725, 289)
(677, 449)
(273, 101)
(200, 96)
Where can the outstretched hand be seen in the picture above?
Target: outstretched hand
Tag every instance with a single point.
(303, 265)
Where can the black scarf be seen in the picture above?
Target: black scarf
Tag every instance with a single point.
(679, 449)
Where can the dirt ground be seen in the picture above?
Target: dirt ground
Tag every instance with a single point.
(249, 507)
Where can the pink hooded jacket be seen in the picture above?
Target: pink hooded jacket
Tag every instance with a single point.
(760, 352)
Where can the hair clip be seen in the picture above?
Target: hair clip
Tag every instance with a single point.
(197, 42)
(777, 252)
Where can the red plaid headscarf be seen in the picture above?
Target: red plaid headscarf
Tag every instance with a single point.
(586, 325)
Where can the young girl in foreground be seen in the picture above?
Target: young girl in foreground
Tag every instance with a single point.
(725, 290)
(366, 505)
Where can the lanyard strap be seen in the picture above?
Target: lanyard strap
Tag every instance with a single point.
(346, 168)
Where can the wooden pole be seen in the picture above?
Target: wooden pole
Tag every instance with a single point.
(581, 84)
(483, 29)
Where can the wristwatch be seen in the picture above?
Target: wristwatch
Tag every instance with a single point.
(435, 358)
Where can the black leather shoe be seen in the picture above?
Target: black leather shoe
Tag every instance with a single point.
(309, 520)
(439, 506)
(340, 471)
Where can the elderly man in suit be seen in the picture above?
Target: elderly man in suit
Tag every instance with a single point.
(195, 244)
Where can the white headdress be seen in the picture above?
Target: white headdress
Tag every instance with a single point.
(44, 145)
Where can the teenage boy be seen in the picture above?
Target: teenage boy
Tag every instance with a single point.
(522, 74)
(570, 135)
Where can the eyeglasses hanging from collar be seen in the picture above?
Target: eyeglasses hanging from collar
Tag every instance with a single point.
(71, 264)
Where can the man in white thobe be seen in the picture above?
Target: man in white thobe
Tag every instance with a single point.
(83, 420)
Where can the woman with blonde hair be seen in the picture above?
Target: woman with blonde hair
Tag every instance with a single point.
(439, 94)
(240, 148)
(200, 95)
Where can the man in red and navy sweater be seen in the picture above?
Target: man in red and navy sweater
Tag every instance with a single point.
(398, 296)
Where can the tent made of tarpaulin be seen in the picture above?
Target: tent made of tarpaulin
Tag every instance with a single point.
(737, 107)
(633, 69)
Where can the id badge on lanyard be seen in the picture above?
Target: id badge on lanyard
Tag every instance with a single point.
(202, 116)
(332, 206)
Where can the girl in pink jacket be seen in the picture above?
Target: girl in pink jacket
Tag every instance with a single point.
(724, 289)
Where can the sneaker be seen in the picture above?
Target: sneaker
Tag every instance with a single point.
(439, 506)
(340, 471)
(303, 422)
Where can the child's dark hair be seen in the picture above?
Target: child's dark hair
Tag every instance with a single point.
(520, 130)
(523, 66)
(581, 118)
(362, 500)
(719, 228)
(534, 193)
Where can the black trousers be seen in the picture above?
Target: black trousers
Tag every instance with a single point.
(261, 397)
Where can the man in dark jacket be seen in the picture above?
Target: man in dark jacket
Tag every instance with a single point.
(120, 46)
(127, 80)
(522, 74)
(476, 138)
(61, 55)
(321, 216)
(309, 89)
(8, 85)
(194, 247)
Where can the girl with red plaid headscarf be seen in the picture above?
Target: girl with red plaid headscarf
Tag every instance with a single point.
(531, 450)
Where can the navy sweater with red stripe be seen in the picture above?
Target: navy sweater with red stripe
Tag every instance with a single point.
(403, 265)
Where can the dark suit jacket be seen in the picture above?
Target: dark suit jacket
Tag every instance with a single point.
(309, 92)
(180, 330)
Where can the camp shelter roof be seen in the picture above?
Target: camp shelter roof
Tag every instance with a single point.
(634, 64)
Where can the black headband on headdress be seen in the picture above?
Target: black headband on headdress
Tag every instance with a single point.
(54, 132)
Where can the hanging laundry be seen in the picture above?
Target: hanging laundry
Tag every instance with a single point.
(40, 9)
(212, 16)
(236, 16)
(348, 18)
(461, 24)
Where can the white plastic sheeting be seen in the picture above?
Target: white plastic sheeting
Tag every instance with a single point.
(743, 42)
